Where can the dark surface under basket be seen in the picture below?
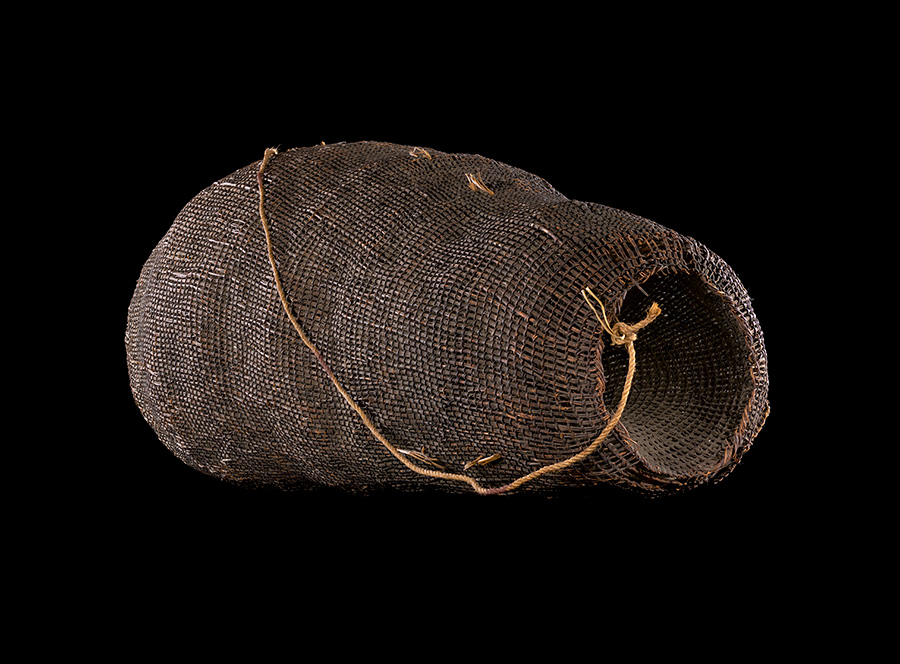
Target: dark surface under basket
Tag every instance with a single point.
(444, 291)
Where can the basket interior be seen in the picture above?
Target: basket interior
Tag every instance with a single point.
(692, 380)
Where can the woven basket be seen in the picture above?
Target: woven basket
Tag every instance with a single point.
(373, 315)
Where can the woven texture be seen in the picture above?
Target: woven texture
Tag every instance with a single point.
(444, 291)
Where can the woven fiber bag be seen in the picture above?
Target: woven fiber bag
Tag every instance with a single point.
(373, 315)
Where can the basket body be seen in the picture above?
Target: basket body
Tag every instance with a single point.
(444, 291)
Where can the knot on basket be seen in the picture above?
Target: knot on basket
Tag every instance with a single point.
(623, 333)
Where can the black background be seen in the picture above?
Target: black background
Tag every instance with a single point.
(707, 136)
(660, 153)
(686, 153)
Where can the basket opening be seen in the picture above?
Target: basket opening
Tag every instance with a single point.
(692, 381)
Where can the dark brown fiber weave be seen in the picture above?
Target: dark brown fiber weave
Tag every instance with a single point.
(452, 313)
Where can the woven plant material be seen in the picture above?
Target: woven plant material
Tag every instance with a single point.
(444, 298)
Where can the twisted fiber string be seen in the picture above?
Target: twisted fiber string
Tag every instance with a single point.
(621, 333)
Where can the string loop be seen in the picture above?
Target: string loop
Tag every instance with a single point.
(620, 333)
